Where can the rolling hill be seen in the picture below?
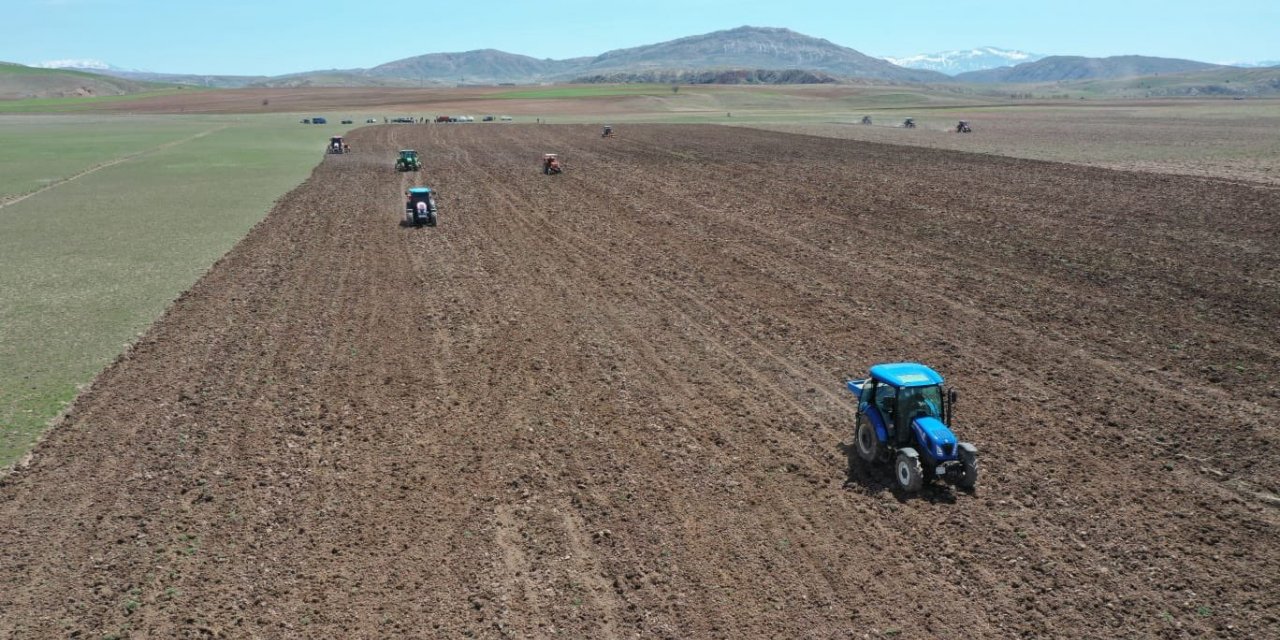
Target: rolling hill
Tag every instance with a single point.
(1221, 81)
(19, 81)
(1067, 68)
(481, 66)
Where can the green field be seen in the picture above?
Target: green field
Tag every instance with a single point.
(90, 262)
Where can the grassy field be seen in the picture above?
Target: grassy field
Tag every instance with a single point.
(90, 262)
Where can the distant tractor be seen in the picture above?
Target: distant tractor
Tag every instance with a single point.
(909, 123)
(420, 207)
(336, 145)
(607, 132)
(550, 164)
(318, 120)
(904, 418)
(866, 119)
(408, 161)
(963, 127)
(347, 122)
(443, 119)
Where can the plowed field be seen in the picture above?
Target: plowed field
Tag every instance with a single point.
(609, 404)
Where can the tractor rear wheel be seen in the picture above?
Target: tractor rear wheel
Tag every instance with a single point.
(907, 472)
(865, 441)
(969, 459)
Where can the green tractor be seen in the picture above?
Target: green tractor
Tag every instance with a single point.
(408, 161)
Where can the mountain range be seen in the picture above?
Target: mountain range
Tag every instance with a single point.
(743, 49)
(757, 55)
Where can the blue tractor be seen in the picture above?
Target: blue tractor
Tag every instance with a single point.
(904, 414)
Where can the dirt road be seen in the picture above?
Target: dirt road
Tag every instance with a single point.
(609, 404)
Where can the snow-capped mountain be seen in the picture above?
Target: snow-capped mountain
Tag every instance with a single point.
(1254, 65)
(978, 59)
(82, 64)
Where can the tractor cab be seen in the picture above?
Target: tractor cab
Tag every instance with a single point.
(897, 396)
(904, 413)
(336, 145)
(420, 207)
(866, 119)
(909, 123)
(963, 127)
(607, 131)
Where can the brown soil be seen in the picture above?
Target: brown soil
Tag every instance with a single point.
(609, 404)
(1222, 139)
(387, 102)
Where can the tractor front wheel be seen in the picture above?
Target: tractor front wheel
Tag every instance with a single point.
(907, 472)
(865, 441)
(969, 460)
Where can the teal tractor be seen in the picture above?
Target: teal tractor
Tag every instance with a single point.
(408, 161)
(904, 418)
(420, 207)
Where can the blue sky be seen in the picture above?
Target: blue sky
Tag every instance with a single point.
(283, 36)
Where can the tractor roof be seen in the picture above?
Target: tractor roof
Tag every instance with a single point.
(906, 374)
(407, 151)
(420, 190)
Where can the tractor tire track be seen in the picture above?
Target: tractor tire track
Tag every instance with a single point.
(12, 200)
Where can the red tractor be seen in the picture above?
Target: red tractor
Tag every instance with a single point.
(550, 164)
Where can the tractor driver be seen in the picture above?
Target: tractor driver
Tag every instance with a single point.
(918, 404)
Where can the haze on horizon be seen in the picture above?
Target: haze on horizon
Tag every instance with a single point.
(245, 37)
